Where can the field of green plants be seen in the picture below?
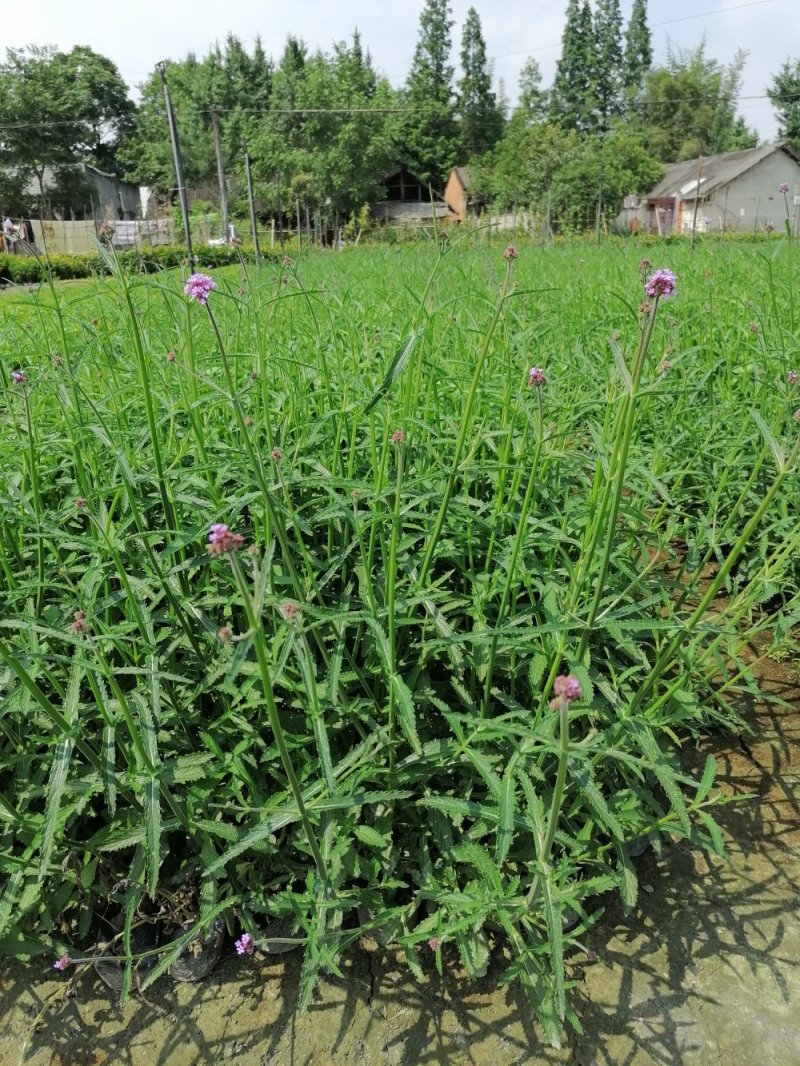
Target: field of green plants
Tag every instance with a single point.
(380, 593)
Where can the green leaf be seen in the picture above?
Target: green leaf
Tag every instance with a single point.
(590, 790)
(555, 937)
(628, 881)
(395, 368)
(477, 857)
(371, 837)
(505, 824)
(707, 780)
(718, 844)
(60, 768)
(405, 712)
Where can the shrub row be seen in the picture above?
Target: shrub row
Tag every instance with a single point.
(24, 270)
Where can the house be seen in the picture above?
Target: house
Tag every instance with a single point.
(459, 194)
(85, 190)
(731, 191)
(410, 201)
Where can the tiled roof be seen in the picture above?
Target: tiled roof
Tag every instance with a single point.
(680, 179)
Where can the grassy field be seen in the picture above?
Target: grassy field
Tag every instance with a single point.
(433, 679)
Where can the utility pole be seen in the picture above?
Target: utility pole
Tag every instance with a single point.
(697, 195)
(280, 208)
(600, 187)
(176, 152)
(251, 201)
(223, 189)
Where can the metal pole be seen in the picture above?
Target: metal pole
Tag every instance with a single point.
(176, 152)
(223, 190)
(600, 190)
(697, 196)
(251, 201)
(280, 209)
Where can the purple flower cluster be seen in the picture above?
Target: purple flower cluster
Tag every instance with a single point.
(18, 376)
(536, 376)
(783, 188)
(660, 283)
(567, 688)
(221, 540)
(198, 287)
(792, 377)
(63, 963)
(245, 945)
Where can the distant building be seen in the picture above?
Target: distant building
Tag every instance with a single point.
(459, 194)
(410, 201)
(83, 190)
(728, 192)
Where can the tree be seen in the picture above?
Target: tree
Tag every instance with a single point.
(481, 119)
(328, 136)
(573, 97)
(429, 139)
(533, 100)
(784, 94)
(147, 153)
(608, 62)
(626, 165)
(691, 107)
(239, 84)
(547, 168)
(637, 59)
(58, 109)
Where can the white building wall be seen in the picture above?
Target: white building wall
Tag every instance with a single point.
(752, 201)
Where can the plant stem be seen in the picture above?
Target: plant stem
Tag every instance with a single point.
(259, 641)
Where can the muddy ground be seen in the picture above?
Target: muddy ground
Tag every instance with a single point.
(706, 970)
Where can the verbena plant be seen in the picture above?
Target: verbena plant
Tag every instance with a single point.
(485, 538)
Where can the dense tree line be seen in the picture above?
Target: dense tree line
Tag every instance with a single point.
(324, 129)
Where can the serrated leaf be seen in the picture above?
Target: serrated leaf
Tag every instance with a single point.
(371, 837)
(505, 823)
(707, 780)
(60, 769)
(628, 881)
(406, 714)
(555, 938)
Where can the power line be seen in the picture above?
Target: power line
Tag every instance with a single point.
(286, 111)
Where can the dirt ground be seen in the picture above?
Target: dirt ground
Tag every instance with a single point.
(705, 971)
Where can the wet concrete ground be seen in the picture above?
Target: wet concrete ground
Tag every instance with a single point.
(706, 970)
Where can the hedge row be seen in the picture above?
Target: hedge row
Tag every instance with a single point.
(24, 270)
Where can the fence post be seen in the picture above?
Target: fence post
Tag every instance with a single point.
(251, 201)
(176, 152)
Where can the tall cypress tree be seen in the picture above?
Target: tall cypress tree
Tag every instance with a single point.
(532, 98)
(608, 79)
(481, 120)
(572, 101)
(429, 137)
(784, 94)
(638, 57)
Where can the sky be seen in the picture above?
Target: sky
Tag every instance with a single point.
(137, 35)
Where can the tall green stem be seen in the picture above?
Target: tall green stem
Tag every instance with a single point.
(391, 581)
(260, 644)
(558, 796)
(438, 525)
(515, 552)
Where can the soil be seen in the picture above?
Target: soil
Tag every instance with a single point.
(706, 970)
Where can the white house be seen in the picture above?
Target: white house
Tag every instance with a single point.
(727, 192)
